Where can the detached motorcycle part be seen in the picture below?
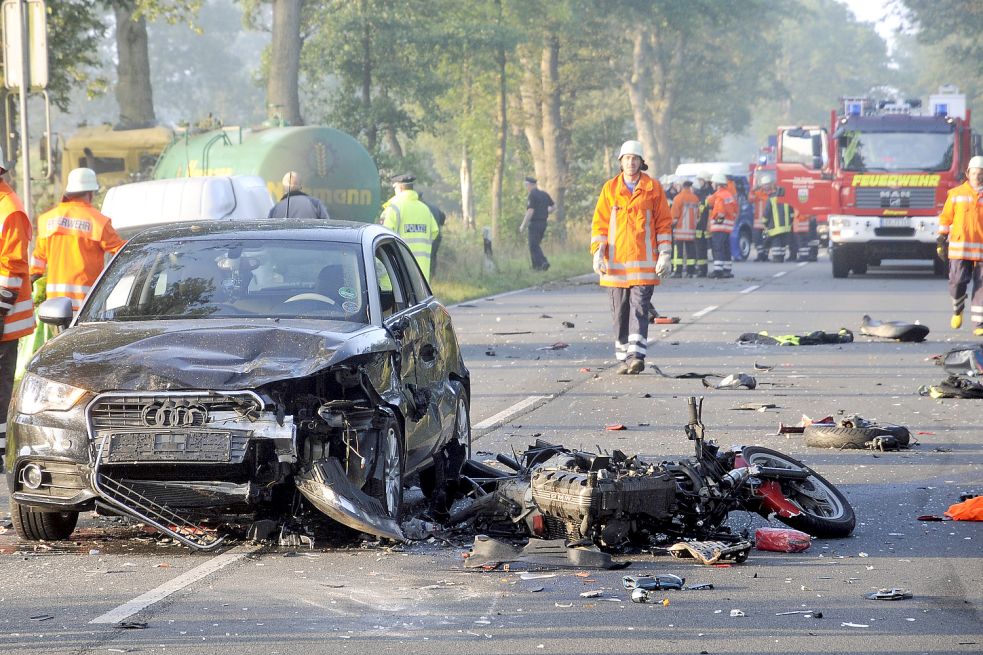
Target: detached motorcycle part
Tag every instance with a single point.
(818, 436)
(823, 511)
(711, 552)
(650, 583)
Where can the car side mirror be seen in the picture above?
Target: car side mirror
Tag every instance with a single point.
(56, 311)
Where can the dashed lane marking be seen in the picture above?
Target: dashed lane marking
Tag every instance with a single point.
(177, 584)
(509, 412)
(704, 311)
(751, 288)
(779, 273)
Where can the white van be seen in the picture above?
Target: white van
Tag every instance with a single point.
(136, 206)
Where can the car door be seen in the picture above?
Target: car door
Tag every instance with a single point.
(410, 321)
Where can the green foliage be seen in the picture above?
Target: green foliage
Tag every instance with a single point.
(74, 33)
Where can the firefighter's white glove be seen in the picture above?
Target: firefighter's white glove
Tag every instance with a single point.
(600, 263)
(663, 267)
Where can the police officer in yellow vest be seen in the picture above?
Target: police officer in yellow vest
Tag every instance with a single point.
(406, 215)
(778, 216)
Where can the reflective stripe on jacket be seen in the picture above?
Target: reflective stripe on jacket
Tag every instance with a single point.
(723, 211)
(962, 220)
(406, 215)
(73, 239)
(778, 217)
(685, 214)
(15, 239)
(632, 227)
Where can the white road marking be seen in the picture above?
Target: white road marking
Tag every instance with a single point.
(751, 288)
(704, 311)
(801, 264)
(779, 273)
(508, 413)
(177, 584)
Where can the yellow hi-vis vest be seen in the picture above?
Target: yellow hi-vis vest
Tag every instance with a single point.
(408, 217)
(779, 219)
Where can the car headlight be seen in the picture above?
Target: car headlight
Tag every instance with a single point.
(36, 394)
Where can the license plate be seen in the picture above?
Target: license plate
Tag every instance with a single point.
(895, 221)
(166, 446)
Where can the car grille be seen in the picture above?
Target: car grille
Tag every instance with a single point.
(888, 198)
(169, 428)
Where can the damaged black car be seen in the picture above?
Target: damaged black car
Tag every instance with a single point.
(248, 368)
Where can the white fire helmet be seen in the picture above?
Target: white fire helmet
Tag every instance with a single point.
(975, 162)
(81, 180)
(719, 178)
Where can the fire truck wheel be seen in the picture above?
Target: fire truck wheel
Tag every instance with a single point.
(859, 266)
(841, 265)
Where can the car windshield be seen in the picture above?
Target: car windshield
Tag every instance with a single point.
(221, 277)
(896, 151)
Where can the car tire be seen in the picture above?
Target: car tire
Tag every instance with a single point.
(389, 489)
(744, 243)
(841, 264)
(441, 500)
(859, 266)
(35, 525)
(843, 438)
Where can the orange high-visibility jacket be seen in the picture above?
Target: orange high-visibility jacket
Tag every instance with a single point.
(15, 239)
(685, 214)
(759, 198)
(962, 220)
(73, 239)
(722, 204)
(632, 228)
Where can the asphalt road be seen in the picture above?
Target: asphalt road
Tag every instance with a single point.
(69, 598)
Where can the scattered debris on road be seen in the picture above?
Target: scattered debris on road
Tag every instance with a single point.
(895, 593)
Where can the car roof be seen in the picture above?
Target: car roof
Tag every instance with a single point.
(264, 228)
(732, 168)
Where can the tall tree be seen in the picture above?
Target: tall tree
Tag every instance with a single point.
(501, 125)
(282, 88)
(134, 93)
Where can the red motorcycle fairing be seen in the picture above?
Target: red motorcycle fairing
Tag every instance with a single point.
(770, 493)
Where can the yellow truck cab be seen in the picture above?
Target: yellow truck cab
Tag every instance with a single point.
(117, 156)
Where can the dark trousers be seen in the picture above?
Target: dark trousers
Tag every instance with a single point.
(720, 245)
(961, 273)
(760, 238)
(684, 256)
(433, 255)
(775, 244)
(629, 309)
(8, 364)
(536, 232)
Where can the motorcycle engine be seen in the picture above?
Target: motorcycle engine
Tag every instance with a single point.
(601, 498)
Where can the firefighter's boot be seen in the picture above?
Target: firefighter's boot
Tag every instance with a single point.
(956, 321)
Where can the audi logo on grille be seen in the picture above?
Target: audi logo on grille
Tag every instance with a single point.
(173, 414)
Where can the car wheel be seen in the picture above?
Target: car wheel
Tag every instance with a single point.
(841, 265)
(744, 243)
(35, 525)
(859, 266)
(388, 487)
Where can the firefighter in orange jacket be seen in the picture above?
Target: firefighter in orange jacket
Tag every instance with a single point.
(685, 215)
(73, 239)
(723, 214)
(960, 243)
(16, 306)
(631, 240)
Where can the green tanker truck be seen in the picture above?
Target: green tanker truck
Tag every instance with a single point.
(335, 168)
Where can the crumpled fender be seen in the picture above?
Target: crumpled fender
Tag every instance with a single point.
(327, 487)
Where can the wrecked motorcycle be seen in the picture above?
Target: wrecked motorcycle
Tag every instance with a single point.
(612, 499)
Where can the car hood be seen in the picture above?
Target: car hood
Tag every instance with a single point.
(221, 355)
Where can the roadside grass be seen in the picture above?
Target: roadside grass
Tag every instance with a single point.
(461, 275)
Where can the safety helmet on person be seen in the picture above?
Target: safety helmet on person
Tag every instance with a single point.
(975, 162)
(719, 178)
(764, 178)
(81, 180)
(632, 147)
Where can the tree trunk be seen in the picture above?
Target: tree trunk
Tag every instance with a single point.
(282, 93)
(499, 174)
(553, 132)
(651, 91)
(639, 83)
(134, 95)
(371, 130)
(467, 189)
(531, 118)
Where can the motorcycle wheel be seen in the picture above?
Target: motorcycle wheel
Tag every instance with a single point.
(825, 511)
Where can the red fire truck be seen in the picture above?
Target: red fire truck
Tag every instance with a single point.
(878, 177)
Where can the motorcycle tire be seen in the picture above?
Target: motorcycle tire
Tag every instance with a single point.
(817, 436)
(826, 513)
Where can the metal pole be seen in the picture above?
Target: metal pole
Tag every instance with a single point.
(25, 85)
